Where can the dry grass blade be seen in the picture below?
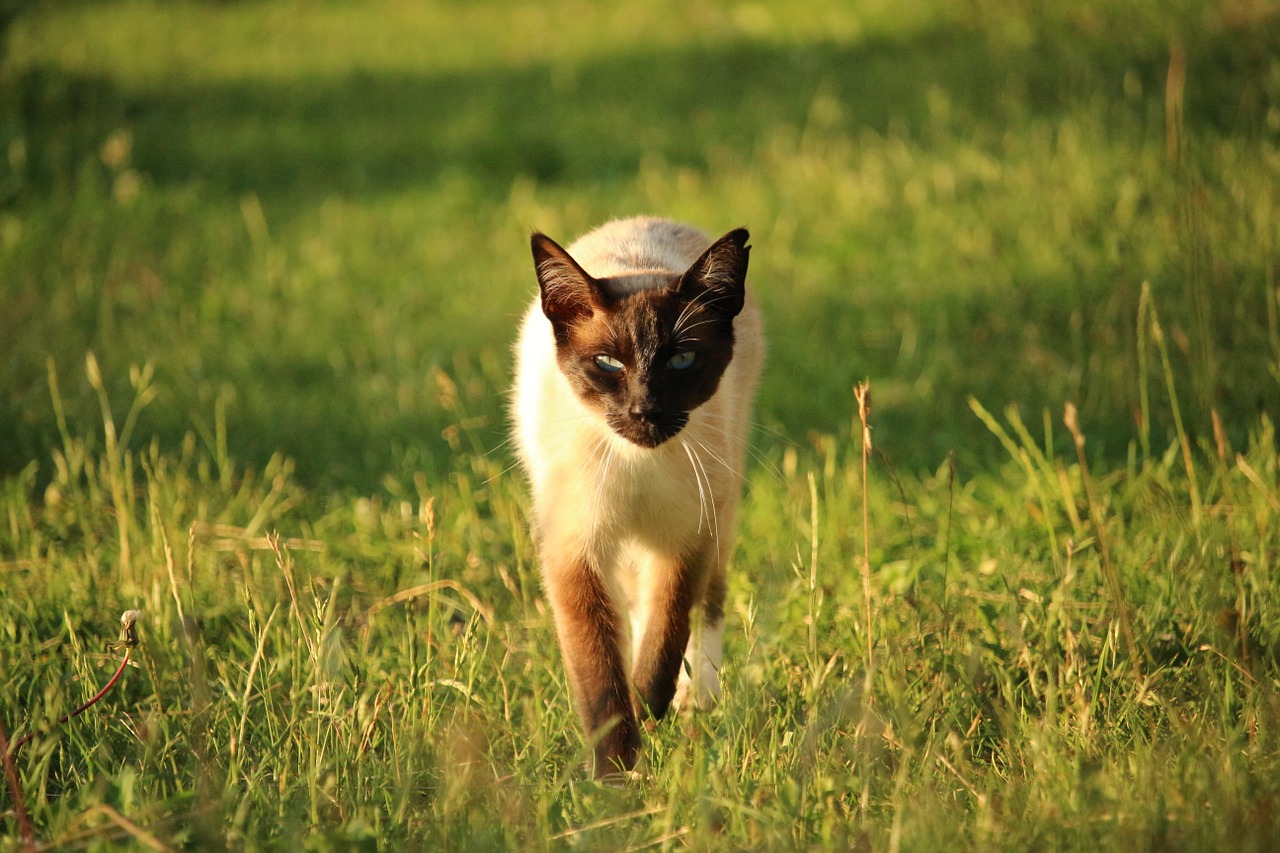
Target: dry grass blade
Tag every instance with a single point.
(232, 538)
(118, 826)
(427, 588)
(139, 834)
(661, 840)
(863, 394)
(609, 821)
(285, 563)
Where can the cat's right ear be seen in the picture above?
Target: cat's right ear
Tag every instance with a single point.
(568, 292)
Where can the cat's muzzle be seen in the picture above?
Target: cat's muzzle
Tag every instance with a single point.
(650, 430)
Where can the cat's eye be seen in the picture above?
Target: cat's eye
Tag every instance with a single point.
(608, 363)
(681, 360)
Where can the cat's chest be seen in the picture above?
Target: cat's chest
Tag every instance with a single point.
(666, 498)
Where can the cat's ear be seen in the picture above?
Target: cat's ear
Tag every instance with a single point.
(718, 279)
(568, 292)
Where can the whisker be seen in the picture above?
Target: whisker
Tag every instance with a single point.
(503, 472)
(688, 309)
(492, 450)
(563, 419)
(754, 426)
(699, 301)
(716, 458)
(702, 498)
(715, 522)
(682, 329)
(756, 452)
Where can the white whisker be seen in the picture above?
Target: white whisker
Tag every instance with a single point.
(711, 496)
(702, 498)
(756, 452)
(680, 330)
(688, 309)
(716, 458)
(503, 472)
(752, 425)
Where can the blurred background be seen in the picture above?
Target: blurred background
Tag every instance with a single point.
(301, 225)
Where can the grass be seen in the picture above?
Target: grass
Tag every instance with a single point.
(260, 264)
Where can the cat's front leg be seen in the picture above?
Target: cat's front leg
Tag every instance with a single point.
(588, 627)
(673, 585)
(699, 686)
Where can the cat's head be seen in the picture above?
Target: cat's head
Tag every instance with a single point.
(644, 358)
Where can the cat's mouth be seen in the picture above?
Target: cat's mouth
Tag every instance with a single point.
(649, 432)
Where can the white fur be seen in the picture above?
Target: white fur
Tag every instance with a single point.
(699, 684)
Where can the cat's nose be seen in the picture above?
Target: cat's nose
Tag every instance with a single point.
(646, 410)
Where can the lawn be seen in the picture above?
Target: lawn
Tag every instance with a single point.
(261, 263)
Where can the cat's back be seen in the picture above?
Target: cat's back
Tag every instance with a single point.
(639, 244)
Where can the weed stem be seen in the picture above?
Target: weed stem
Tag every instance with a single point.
(127, 621)
(23, 741)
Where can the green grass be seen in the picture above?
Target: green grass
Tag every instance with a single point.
(293, 236)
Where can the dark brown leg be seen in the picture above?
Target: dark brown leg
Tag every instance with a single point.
(587, 623)
(665, 637)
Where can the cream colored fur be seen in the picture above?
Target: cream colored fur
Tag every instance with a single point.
(598, 494)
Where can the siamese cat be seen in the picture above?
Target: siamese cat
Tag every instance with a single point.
(637, 365)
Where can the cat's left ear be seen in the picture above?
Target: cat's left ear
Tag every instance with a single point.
(568, 291)
(721, 274)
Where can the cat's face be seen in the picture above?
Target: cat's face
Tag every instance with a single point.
(644, 359)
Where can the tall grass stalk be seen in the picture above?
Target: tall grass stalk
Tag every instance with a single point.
(116, 463)
(1024, 455)
(1157, 335)
(1119, 605)
(1144, 394)
(862, 394)
(812, 587)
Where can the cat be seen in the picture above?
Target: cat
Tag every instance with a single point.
(636, 369)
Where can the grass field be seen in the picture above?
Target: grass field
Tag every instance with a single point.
(260, 266)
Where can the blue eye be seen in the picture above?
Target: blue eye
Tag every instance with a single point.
(681, 360)
(608, 364)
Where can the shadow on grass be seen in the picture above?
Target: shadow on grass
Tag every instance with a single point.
(295, 144)
(368, 133)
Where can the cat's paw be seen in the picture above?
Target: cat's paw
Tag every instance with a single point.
(697, 693)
